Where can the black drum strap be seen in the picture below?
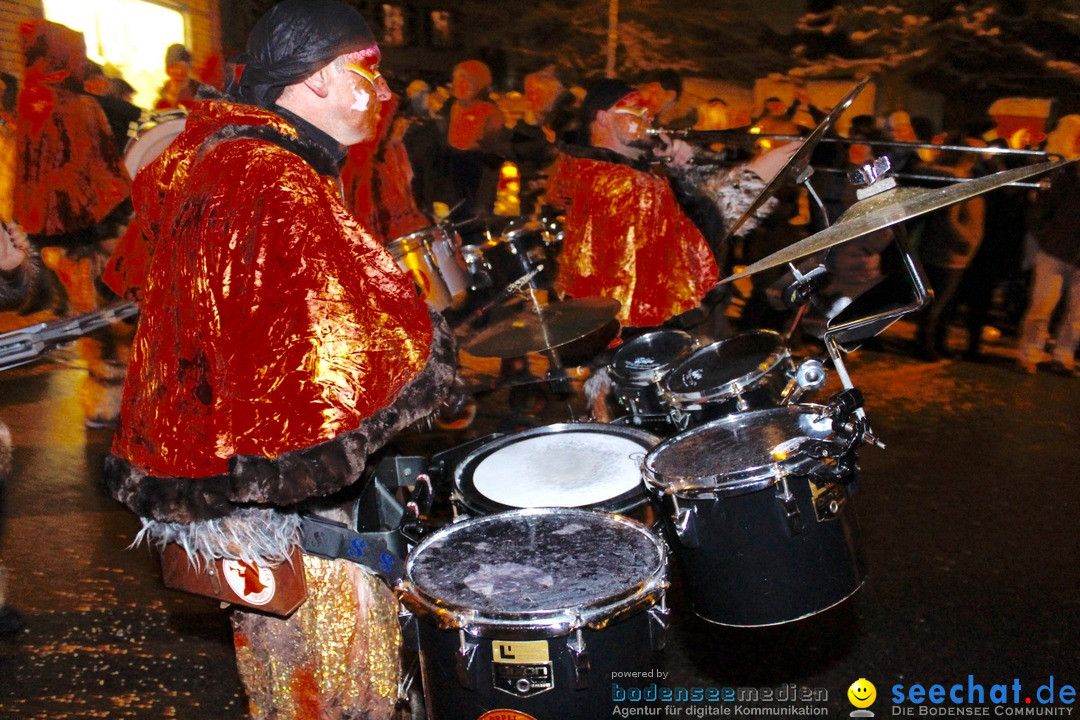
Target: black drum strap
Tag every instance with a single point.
(381, 552)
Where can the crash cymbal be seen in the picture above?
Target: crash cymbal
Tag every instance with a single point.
(798, 162)
(543, 327)
(889, 208)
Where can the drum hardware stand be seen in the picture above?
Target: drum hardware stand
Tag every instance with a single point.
(660, 621)
(464, 659)
(579, 656)
(788, 504)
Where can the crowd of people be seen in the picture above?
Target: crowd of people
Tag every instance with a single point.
(279, 344)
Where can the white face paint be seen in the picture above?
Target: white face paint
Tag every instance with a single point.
(363, 100)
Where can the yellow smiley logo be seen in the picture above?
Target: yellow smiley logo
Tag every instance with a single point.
(862, 693)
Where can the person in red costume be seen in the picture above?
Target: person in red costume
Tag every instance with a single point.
(476, 140)
(279, 345)
(71, 197)
(627, 234)
(378, 179)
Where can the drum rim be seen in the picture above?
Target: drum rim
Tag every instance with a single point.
(472, 499)
(738, 482)
(644, 378)
(692, 399)
(559, 621)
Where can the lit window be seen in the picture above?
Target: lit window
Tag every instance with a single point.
(130, 35)
(440, 28)
(393, 25)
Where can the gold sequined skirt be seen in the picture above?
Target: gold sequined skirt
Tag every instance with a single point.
(336, 658)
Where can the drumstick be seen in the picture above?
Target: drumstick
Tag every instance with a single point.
(500, 296)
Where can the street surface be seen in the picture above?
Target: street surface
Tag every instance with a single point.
(968, 521)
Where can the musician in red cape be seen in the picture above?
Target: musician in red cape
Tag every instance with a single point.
(628, 235)
(279, 345)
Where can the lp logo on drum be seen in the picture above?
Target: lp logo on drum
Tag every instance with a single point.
(521, 667)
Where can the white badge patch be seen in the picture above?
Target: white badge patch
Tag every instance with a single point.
(254, 584)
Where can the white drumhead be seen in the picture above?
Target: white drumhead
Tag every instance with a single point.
(148, 145)
(560, 470)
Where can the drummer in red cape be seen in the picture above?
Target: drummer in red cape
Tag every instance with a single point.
(628, 235)
(279, 345)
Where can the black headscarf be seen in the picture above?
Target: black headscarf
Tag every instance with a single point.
(293, 40)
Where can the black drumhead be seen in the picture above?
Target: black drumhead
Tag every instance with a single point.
(742, 357)
(737, 446)
(640, 359)
(535, 561)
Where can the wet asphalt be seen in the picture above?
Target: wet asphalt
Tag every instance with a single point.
(968, 523)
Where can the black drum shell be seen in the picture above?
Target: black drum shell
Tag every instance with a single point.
(622, 646)
(600, 585)
(741, 560)
(635, 383)
(751, 570)
(518, 252)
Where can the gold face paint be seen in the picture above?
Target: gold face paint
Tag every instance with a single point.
(370, 75)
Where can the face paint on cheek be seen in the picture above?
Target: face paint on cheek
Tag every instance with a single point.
(363, 100)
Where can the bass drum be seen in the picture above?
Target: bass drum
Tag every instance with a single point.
(151, 138)
(590, 466)
(758, 514)
(530, 613)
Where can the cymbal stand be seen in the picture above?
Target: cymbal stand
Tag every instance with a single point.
(557, 379)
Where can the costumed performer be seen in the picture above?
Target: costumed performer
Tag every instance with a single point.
(279, 345)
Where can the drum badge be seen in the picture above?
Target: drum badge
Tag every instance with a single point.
(505, 715)
(521, 668)
(252, 583)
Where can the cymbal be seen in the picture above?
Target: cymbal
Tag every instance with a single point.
(889, 208)
(543, 327)
(798, 162)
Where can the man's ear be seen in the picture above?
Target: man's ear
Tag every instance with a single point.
(319, 82)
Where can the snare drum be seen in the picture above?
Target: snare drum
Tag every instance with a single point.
(532, 611)
(431, 258)
(151, 138)
(637, 368)
(589, 466)
(757, 511)
(744, 372)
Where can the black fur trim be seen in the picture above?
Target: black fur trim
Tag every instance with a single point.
(308, 150)
(294, 476)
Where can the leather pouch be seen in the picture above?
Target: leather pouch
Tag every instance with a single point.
(276, 591)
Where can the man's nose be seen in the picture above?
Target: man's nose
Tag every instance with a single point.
(382, 90)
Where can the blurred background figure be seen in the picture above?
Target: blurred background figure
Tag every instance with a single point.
(997, 263)
(424, 141)
(476, 138)
(17, 274)
(72, 197)
(946, 247)
(9, 90)
(180, 88)
(548, 118)
(662, 90)
(119, 112)
(1055, 226)
(377, 179)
